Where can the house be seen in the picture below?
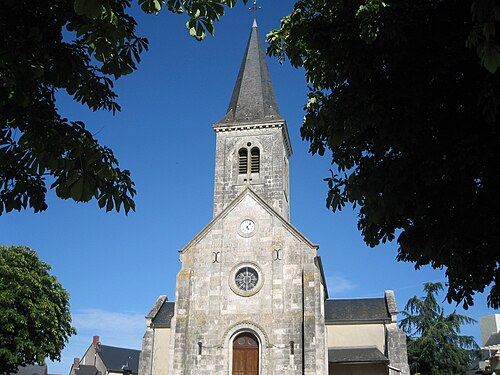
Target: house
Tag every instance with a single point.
(489, 361)
(106, 360)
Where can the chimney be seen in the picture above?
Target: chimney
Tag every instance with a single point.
(76, 363)
(95, 341)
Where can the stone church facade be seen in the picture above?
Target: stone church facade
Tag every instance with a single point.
(251, 297)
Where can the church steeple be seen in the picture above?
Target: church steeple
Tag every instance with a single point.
(253, 146)
(253, 96)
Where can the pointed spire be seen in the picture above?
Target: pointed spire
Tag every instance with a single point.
(253, 96)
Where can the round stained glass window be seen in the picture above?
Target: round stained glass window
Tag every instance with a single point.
(246, 278)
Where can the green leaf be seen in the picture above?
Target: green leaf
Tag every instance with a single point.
(151, 6)
(88, 191)
(109, 205)
(210, 27)
(90, 8)
(76, 190)
(102, 202)
(490, 54)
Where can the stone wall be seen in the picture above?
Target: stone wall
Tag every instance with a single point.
(287, 308)
(271, 183)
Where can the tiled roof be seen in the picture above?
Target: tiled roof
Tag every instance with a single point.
(360, 309)
(356, 355)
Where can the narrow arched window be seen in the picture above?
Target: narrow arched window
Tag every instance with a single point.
(243, 161)
(255, 160)
(249, 163)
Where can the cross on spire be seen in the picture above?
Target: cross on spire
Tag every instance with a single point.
(254, 8)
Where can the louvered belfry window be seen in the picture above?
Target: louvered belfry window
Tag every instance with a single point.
(243, 161)
(248, 160)
(255, 160)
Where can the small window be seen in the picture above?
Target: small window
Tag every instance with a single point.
(248, 160)
(255, 160)
(243, 161)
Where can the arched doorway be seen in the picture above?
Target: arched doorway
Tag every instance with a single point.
(245, 354)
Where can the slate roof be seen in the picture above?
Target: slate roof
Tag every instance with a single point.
(86, 370)
(357, 310)
(253, 96)
(494, 340)
(356, 355)
(164, 315)
(32, 370)
(117, 358)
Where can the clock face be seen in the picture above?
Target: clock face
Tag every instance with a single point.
(247, 226)
(246, 278)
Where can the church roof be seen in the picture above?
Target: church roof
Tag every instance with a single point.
(356, 355)
(164, 315)
(356, 310)
(253, 98)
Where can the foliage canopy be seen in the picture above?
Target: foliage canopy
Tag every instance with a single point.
(405, 96)
(435, 346)
(81, 47)
(35, 321)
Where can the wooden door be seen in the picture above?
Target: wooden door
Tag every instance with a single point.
(245, 355)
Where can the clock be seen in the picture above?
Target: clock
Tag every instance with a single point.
(247, 226)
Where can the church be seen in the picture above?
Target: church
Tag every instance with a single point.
(251, 296)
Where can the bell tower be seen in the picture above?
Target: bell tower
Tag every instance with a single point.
(252, 142)
(250, 291)
(251, 296)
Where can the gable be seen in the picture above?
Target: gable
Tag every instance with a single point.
(249, 197)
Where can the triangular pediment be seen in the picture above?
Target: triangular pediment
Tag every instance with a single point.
(248, 192)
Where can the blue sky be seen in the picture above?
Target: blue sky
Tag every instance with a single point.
(115, 266)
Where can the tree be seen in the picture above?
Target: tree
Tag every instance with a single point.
(409, 111)
(35, 321)
(435, 346)
(81, 47)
